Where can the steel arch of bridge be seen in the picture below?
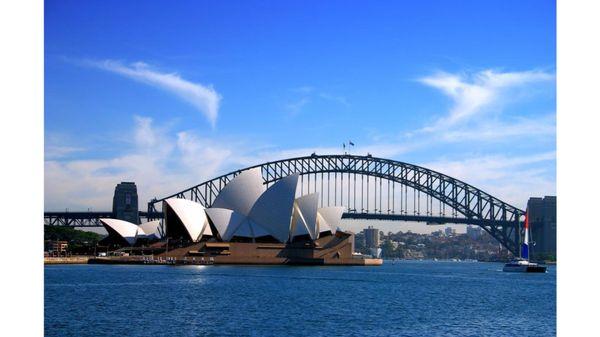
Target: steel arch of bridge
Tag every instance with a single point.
(499, 219)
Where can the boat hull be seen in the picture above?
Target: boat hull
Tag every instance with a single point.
(524, 268)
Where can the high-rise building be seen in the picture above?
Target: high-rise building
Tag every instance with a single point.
(542, 225)
(474, 232)
(125, 202)
(372, 237)
(450, 231)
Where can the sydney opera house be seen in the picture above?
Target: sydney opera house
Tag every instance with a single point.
(246, 224)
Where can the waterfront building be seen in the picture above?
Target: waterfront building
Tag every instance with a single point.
(150, 231)
(542, 224)
(245, 211)
(186, 220)
(56, 248)
(124, 233)
(372, 237)
(247, 223)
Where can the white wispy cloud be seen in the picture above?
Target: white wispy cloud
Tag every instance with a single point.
(511, 178)
(196, 152)
(58, 146)
(57, 151)
(203, 97)
(307, 94)
(158, 161)
(162, 161)
(335, 98)
(498, 131)
(296, 106)
(475, 94)
(305, 89)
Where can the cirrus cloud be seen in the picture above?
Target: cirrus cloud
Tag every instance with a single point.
(203, 97)
(473, 94)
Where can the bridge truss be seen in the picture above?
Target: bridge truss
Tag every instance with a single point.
(85, 219)
(380, 189)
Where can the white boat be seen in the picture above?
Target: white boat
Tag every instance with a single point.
(522, 264)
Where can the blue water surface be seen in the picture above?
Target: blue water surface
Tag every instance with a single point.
(407, 298)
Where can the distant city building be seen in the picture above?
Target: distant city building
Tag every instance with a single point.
(359, 241)
(449, 231)
(125, 202)
(372, 237)
(542, 224)
(474, 232)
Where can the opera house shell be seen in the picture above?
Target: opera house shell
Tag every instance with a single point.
(245, 211)
(125, 233)
(247, 223)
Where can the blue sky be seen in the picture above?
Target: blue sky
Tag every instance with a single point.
(169, 94)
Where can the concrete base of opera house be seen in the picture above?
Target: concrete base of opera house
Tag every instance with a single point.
(328, 250)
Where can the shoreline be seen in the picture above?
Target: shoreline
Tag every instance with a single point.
(173, 261)
(83, 259)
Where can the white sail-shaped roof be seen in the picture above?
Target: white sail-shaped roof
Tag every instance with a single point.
(306, 216)
(125, 229)
(331, 218)
(298, 226)
(240, 194)
(250, 229)
(150, 230)
(244, 229)
(257, 229)
(322, 224)
(273, 209)
(207, 231)
(192, 216)
(225, 221)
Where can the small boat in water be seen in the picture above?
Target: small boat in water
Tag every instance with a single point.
(523, 265)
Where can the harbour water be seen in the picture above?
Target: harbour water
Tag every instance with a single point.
(406, 298)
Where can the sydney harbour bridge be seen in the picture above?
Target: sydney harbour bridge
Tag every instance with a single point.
(368, 188)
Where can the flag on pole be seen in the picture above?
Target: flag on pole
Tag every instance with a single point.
(525, 244)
